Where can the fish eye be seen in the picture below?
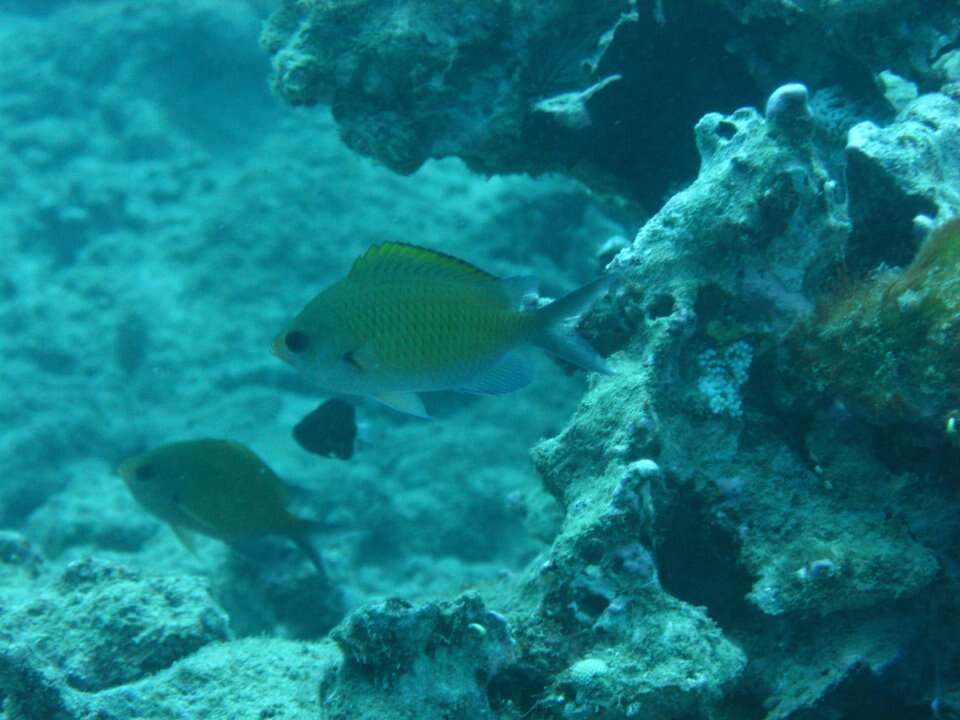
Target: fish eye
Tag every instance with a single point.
(296, 341)
(145, 472)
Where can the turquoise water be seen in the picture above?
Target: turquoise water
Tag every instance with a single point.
(757, 515)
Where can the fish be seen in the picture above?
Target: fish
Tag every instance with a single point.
(217, 488)
(953, 428)
(330, 430)
(407, 319)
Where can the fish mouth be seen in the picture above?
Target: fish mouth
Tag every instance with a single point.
(277, 347)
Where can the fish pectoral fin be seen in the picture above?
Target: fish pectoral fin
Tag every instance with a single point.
(405, 402)
(199, 523)
(510, 372)
(185, 537)
(363, 358)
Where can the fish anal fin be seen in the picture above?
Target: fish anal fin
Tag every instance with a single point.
(300, 534)
(510, 372)
(405, 402)
(185, 537)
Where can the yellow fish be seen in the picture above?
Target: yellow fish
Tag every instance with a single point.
(214, 487)
(407, 319)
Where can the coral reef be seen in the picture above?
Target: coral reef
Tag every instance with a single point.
(864, 36)
(101, 640)
(95, 627)
(405, 82)
(779, 509)
(435, 660)
(885, 342)
(604, 91)
(895, 173)
(598, 630)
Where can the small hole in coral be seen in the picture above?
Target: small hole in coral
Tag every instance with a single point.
(590, 602)
(661, 306)
(516, 687)
(726, 129)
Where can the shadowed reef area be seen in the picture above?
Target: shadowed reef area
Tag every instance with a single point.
(755, 517)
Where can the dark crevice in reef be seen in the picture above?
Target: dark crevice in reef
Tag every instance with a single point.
(775, 406)
(641, 124)
(907, 448)
(517, 687)
(882, 216)
(697, 557)
(797, 49)
(868, 694)
(646, 118)
(639, 141)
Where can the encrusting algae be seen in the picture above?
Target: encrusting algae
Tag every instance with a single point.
(218, 488)
(891, 345)
(407, 319)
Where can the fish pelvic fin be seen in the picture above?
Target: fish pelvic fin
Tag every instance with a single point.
(556, 326)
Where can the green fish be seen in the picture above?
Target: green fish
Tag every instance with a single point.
(215, 487)
(407, 320)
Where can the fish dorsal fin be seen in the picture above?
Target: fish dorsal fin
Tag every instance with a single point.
(394, 259)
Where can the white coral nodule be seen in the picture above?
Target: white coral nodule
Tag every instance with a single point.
(722, 375)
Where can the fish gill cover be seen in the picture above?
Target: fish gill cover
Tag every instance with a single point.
(756, 514)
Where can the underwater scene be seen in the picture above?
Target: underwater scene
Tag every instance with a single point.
(488, 360)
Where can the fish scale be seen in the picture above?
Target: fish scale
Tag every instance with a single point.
(432, 330)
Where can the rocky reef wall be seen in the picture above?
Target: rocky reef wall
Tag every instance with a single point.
(603, 91)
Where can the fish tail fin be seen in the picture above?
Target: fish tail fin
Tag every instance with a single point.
(557, 321)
